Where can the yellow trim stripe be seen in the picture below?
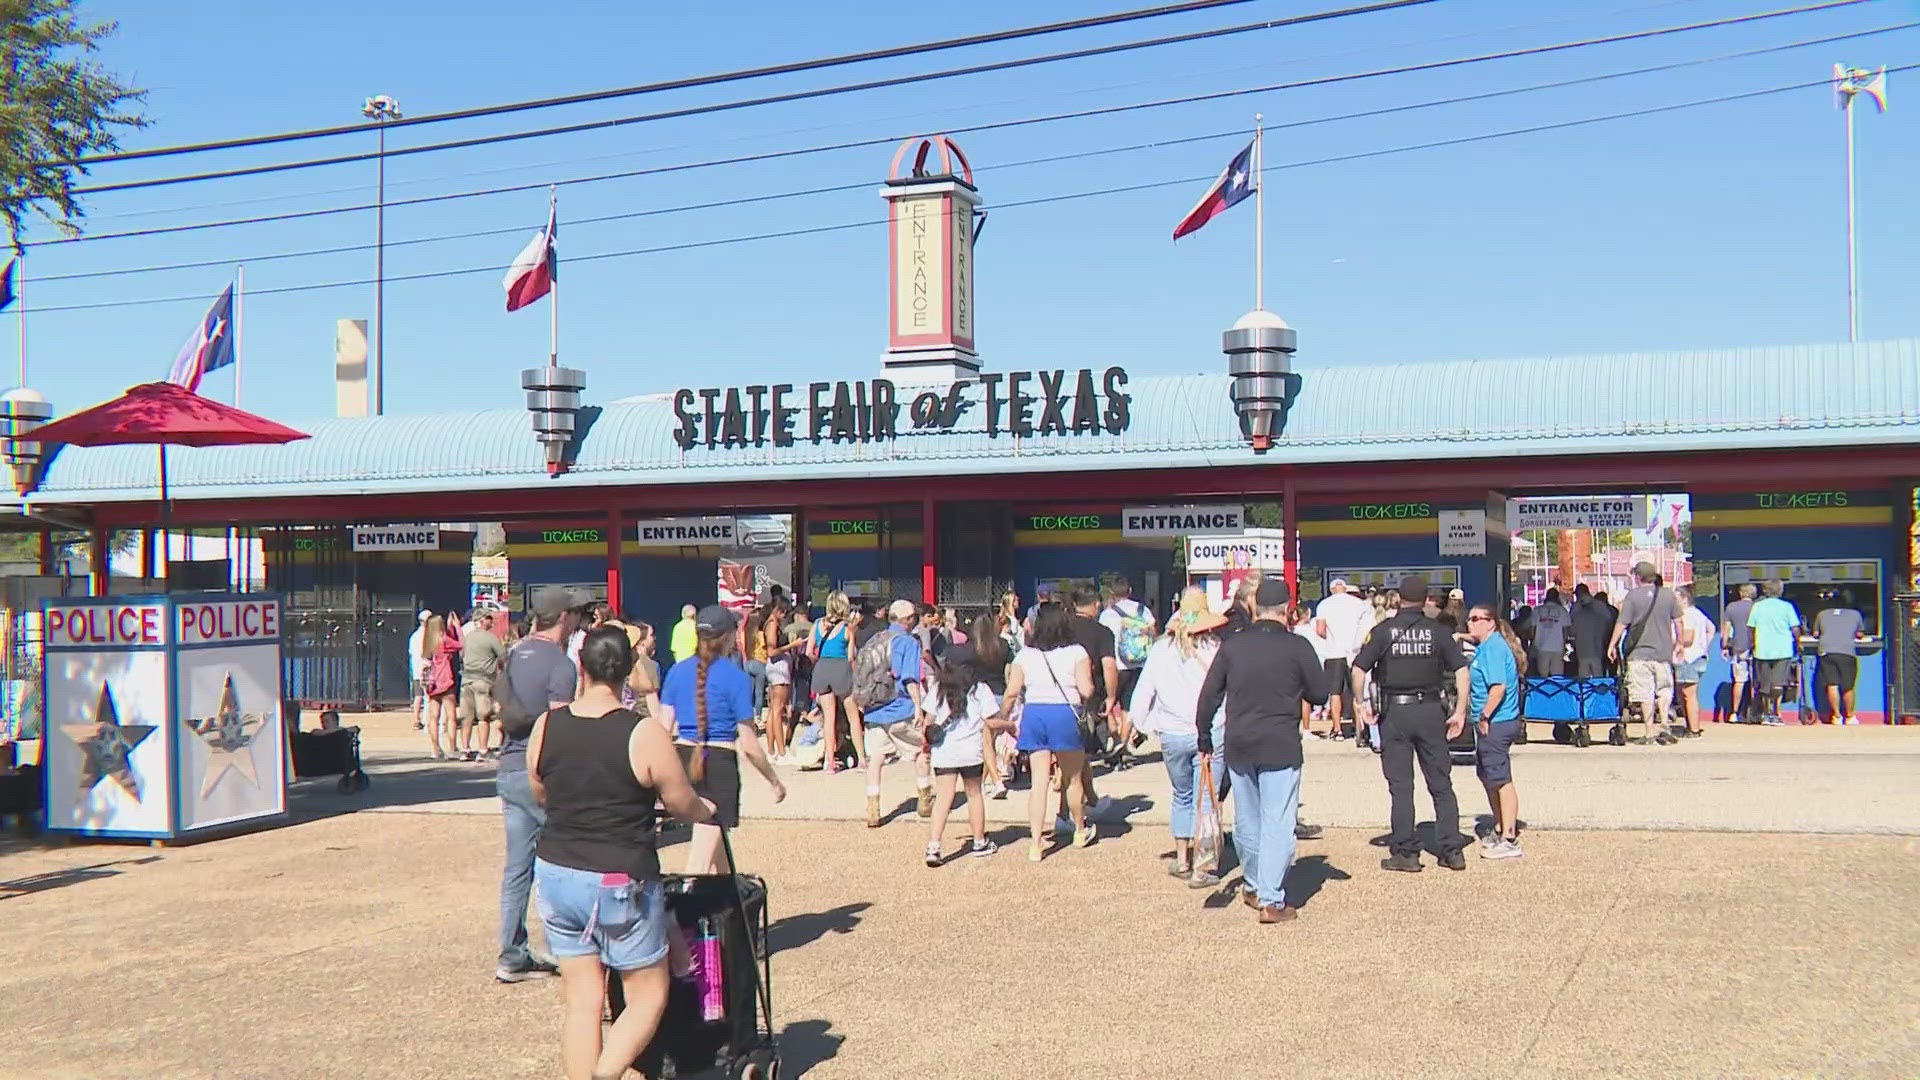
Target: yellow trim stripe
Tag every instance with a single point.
(1811, 516)
(858, 541)
(427, 556)
(1373, 527)
(597, 549)
(1071, 537)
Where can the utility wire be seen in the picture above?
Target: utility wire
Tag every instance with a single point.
(1050, 159)
(789, 68)
(919, 114)
(1109, 110)
(772, 99)
(1036, 201)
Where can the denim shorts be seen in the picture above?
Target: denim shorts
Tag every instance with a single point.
(624, 925)
(1493, 752)
(1050, 727)
(1688, 672)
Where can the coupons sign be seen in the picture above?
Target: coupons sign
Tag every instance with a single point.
(1605, 512)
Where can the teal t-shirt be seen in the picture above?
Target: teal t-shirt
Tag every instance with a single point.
(1493, 666)
(1773, 620)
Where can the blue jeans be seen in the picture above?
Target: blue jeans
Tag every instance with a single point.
(757, 670)
(1266, 803)
(1181, 752)
(525, 818)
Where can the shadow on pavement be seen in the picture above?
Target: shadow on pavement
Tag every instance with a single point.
(319, 797)
(806, 1044)
(795, 931)
(73, 875)
(1308, 876)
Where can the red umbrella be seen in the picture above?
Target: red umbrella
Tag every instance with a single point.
(163, 413)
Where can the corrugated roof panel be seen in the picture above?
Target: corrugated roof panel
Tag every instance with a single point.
(1679, 400)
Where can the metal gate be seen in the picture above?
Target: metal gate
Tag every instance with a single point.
(976, 556)
(1903, 659)
(346, 645)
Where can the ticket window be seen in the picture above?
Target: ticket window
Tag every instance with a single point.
(1814, 585)
(1441, 580)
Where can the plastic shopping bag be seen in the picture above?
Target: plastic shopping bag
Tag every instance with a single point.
(1206, 827)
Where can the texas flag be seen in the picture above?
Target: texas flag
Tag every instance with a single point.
(535, 269)
(1235, 184)
(209, 348)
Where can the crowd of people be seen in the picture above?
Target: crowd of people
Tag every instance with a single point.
(594, 740)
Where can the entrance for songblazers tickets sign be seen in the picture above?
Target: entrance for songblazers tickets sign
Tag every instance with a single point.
(163, 714)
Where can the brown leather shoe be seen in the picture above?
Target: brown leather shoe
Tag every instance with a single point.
(1248, 898)
(1278, 913)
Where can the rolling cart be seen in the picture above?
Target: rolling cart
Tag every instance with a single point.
(741, 1044)
(334, 752)
(1571, 705)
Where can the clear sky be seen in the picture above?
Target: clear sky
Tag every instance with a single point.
(1716, 226)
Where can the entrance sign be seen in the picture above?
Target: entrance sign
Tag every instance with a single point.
(1025, 404)
(1620, 512)
(1148, 521)
(1463, 532)
(684, 532)
(396, 538)
(163, 714)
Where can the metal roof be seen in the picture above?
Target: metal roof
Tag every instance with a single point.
(1630, 402)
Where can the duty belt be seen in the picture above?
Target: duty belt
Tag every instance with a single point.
(1411, 697)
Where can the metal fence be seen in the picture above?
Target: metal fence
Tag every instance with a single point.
(1903, 659)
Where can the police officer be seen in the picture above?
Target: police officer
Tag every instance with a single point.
(1412, 657)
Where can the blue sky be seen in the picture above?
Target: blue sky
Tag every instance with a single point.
(1716, 226)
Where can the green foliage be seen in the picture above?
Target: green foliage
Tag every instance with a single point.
(56, 106)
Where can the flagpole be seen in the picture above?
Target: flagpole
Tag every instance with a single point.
(1259, 217)
(239, 304)
(1853, 273)
(553, 289)
(20, 305)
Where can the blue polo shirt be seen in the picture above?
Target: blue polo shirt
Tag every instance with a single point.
(1493, 666)
(905, 660)
(729, 699)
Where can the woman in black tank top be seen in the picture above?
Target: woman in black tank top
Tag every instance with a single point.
(598, 769)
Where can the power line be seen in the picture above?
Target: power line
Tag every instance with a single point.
(772, 99)
(1036, 201)
(789, 68)
(918, 114)
(1109, 110)
(1051, 159)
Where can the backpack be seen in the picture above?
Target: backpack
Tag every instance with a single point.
(1135, 638)
(873, 681)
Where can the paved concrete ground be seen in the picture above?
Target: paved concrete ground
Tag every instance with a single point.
(360, 943)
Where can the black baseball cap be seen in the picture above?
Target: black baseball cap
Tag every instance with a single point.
(1413, 587)
(714, 619)
(1272, 593)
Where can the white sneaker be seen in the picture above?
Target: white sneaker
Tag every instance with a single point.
(1505, 849)
(933, 853)
(1488, 841)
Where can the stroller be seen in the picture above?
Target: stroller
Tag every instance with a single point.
(740, 1045)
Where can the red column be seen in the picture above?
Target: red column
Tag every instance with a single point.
(1290, 524)
(929, 550)
(612, 529)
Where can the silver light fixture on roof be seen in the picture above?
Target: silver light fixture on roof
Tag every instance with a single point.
(1260, 350)
(553, 399)
(22, 411)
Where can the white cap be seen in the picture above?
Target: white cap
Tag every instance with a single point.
(1338, 584)
(901, 609)
(425, 614)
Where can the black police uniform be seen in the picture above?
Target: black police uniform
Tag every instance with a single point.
(1411, 657)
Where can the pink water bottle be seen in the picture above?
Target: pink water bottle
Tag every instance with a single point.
(712, 1000)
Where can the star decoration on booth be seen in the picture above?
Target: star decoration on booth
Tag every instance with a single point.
(106, 746)
(229, 736)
